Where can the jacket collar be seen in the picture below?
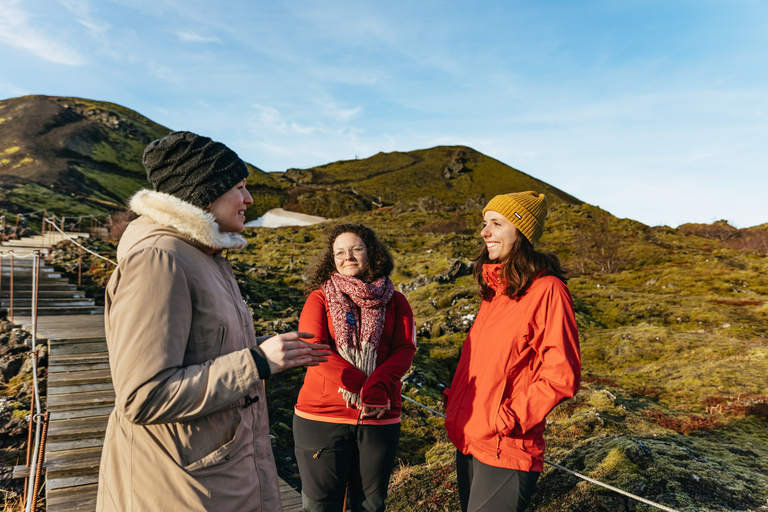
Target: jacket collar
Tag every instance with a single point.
(492, 276)
(189, 220)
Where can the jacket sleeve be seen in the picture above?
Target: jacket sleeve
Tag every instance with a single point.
(376, 390)
(336, 370)
(559, 366)
(149, 317)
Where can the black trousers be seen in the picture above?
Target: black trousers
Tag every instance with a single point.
(334, 457)
(484, 488)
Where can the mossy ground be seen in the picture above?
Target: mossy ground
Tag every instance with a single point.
(672, 326)
(673, 404)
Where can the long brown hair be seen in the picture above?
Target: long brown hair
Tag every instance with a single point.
(519, 269)
(379, 260)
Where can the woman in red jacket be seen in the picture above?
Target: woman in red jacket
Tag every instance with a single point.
(346, 426)
(520, 359)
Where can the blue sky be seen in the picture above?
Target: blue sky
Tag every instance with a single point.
(652, 110)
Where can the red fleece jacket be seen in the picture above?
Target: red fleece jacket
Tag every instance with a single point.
(319, 398)
(520, 359)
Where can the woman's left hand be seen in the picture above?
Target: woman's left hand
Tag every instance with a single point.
(377, 412)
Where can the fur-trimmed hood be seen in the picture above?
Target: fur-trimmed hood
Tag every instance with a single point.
(189, 220)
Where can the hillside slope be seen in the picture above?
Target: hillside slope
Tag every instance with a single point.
(451, 175)
(76, 156)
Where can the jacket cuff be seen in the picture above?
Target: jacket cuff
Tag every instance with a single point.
(374, 393)
(262, 364)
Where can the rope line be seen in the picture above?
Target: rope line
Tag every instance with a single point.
(77, 244)
(13, 254)
(583, 477)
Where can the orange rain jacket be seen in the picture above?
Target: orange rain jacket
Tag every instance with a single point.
(520, 359)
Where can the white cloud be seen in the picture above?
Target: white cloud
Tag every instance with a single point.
(188, 37)
(11, 90)
(17, 30)
(269, 117)
(82, 11)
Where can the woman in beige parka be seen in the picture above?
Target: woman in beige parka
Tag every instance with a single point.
(189, 430)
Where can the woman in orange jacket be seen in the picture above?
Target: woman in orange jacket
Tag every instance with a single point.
(520, 359)
(346, 425)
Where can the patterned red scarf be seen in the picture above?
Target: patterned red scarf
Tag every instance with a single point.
(357, 333)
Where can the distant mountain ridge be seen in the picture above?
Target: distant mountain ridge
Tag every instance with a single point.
(78, 156)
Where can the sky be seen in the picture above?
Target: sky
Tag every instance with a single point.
(652, 110)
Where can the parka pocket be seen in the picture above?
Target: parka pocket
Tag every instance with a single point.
(219, 456)
(210, 440)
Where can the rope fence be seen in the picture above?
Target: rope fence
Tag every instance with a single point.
(75, 222)
(583, 477)
(79, 245)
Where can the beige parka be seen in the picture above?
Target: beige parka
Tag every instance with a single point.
(182, 435)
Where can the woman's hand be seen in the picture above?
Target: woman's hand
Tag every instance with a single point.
(374, 412)
(287, 350)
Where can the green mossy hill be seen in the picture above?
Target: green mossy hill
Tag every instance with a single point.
(75, 157)
(447, 174)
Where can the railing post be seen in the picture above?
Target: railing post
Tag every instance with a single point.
(16, 228)
(42, 230)
(79, 264)
(29, 438)
(10, 307)
(40, 458)
(35, 289)
(2, 235)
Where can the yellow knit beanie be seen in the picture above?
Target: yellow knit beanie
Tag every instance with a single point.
(526, 210)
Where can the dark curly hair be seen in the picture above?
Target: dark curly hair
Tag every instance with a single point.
(519, 269)
(379, 260)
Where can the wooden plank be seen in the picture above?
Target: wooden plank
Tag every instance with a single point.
(75, 359)
(78, 348)
(66, 326)
(77, 339)
(80, 428)
(75, 378)
(75, 367)
(72, 481)
(290, 498)
(61, 495)
(80, 467)
(81, 413)
(82, 400)
(85, 388)
(65, 500)
(58, 446)
(68, 455)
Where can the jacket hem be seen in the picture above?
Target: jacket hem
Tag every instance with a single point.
(345, 420)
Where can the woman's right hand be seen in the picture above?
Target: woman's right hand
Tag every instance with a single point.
(287, 350)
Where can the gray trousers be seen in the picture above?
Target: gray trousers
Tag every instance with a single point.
(484, 488)
(334, 458)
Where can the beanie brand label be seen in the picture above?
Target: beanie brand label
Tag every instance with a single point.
(518, 216)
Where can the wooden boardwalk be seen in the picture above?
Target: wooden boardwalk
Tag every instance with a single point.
(80, 398)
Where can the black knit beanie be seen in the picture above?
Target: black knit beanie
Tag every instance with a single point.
(193, 168)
